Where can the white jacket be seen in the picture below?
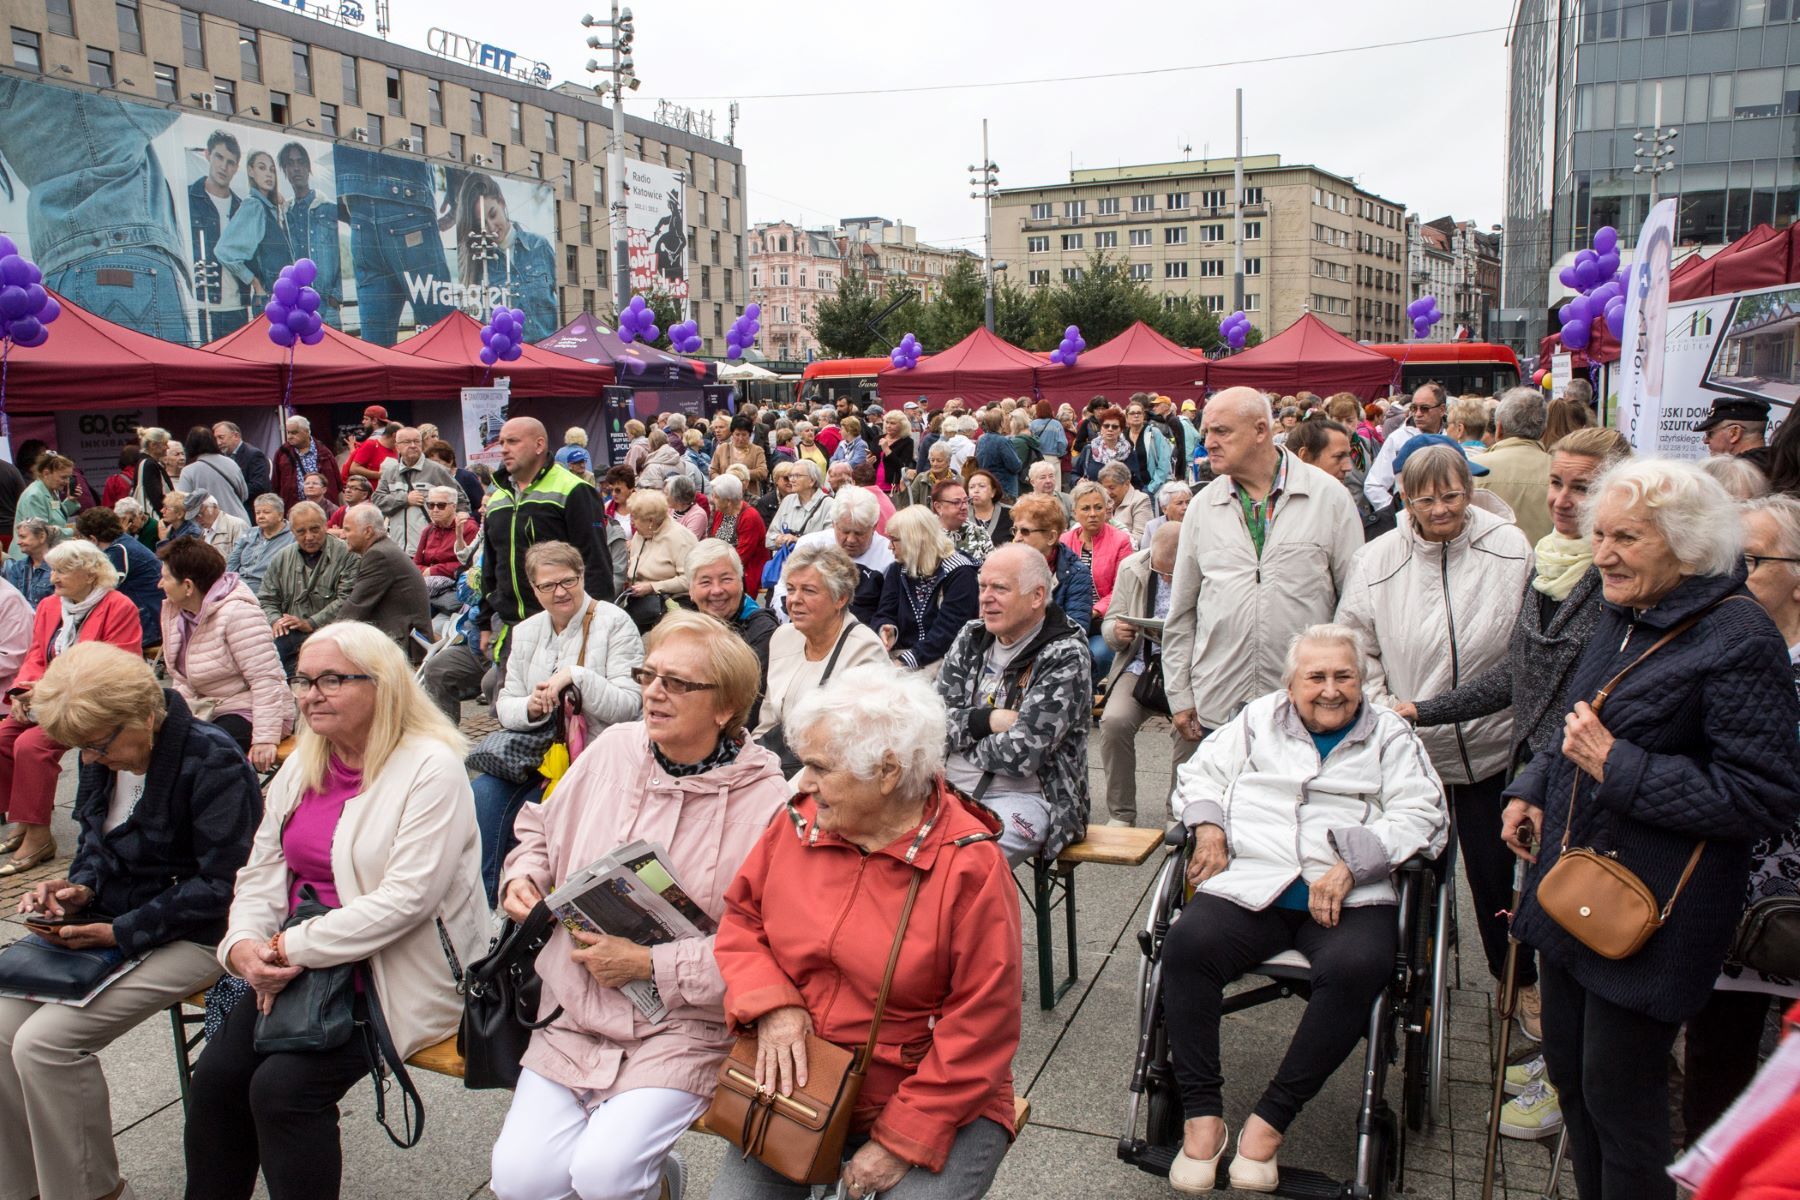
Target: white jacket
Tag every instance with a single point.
(1373, 803)
(1432, 616)
(405, 856)
(1231, 614)
(609, 694)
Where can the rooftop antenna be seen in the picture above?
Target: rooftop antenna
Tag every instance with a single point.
(731, 134)
(1187, 151)
(382, 21)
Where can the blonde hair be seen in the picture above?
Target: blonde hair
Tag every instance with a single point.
(575, 435)
(402, 709)
(919, 541)
(92, 688)
(730, 662)
(79, 555)
(645, 503)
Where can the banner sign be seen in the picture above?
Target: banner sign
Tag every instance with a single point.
(483, 413)
(1562, 372)
(656, 230)
(93, 439)
(1641, 376)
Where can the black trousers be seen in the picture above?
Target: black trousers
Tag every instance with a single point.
(271, 1112)
(1488, 863)
(1610, 1067)
(1724, 1040)
(287, 646)
(238, 726)
(1216, 941)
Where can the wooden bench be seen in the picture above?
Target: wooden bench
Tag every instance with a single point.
(1053, 883)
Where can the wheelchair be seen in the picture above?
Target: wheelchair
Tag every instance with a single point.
(1407, 1024)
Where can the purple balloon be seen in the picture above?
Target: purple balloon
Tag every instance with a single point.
(1606, 240)
(50, 311)
(651, 334)
(23, 329)
(488, 357)
(282, 336)
(298, 321)
(1608, 265)
(308, 300)
(7, 246)
(1615, 318)
(14, 271)
(313, 336)
(753, 311)
(305, 271)
(1582, 256)
(499, 344)
(1587, 274)
(1566, 277)
(277, 312)
(1581, 308)
(13, 303)
(286, 290)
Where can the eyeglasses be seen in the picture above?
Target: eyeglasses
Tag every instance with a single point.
(1753, 561)
(100, 750)
(1419, 408)
(679, 686)
(1447, 500)
(960, 503)
(329, 684)
(556, 586)
(1110, 425)
(438, 504)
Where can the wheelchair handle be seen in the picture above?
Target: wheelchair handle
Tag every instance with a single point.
(1177, 835)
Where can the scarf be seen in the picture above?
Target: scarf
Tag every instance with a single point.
(1561, 562)
(73, 614)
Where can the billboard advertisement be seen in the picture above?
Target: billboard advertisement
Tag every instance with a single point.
(177, 224)
(656, 229)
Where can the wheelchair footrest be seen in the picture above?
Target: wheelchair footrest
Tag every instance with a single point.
(1299, 1183)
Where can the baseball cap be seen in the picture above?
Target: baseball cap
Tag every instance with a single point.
(1419, 441)
(376, 411)
(1189, 406)
(569, 455)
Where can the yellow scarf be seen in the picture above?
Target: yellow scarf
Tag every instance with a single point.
(1561, 562)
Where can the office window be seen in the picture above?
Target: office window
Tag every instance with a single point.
(62, 20)
(1177, 200)
(755, 277)
(536, 169)
(1140, 272)
(1073, 209)
(303, 83)
(1212, 198)
(585, 228)
(725, 211)
(1215, 304)
(1253, 195)
(600, 265)
(1040, 212)
(376, 129)
(1175, 270)
(1071, 241)
(706, 288)
(434, 102)
(515, 115)
(193, 46)
(581, 141)
(249, 61)
(571, 261)
(1212, 233)
(568, 178)
(1176, 235)
(279, 108)
(781, 276)
(352, 85)
(165, 82)
(1037, 278)
(1252, 231)
(417, 134)
(1212, 268)
(456, 146)
(396, 102)
(1143, 204)
(550, 132)
(100, 67)
(1140, 237)
(1071, 274)
(28, 50)
(131, 33)
(1107, 206)
(824, 281)
(477, 114)
(1252, 301)
(1253, 266)
(328, 120)
(224, 96)
(700, 198)
(1037, 245)
(1106, 240)
(497, 156)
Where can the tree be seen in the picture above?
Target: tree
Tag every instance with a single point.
(841, 323)
(958, 309)
(666, 308)
(1103, 300)
(1187, 323)
(1019, 317)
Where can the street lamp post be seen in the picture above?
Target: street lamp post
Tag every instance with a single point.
(986, 180)
(624, 75)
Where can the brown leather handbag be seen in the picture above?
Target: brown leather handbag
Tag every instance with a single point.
(801, 1137)
(1594, 897)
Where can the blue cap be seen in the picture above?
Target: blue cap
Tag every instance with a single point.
(1419, 441)
(569, 455)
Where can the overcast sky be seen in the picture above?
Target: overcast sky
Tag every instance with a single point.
(1421, 125)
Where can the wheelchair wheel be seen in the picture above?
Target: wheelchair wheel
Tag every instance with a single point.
(1426, 1010)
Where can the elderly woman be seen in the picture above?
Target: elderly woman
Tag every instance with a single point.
(575, 642)
(739, 448)
(1691, 760)
(820, 639)
(49, 497)
(780, 484)
(1173, 502)
(180, 516)
(1038, 522)
(219, 652)
(1101, 546)
(937, 472)
(33, 538)
(716, 588)
(741, 527)
(928, 593)
(1271, 874)
(1110, 446)
(685, 507)
(1741, 478)
(153, 478)
(985, 508)
(1045, 479)
(86, 606)
(872, 820)
(250, 555)
(214, 472)
(603, 1094)
(140, 522)
(807, 448)
(160, 889)
(656, 559)
(805, 509)
(1435, 600)
(895, 456)
(372, 815)
(852, 448)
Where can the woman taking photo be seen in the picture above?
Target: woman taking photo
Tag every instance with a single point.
(33, 538)
(372, 814)
(219, 652)
(166, 806)
(575, 641)
(214, 473)
(85, 607)
(1692, 759)
(986, 509)
(740, 527)
(1101, 546)
(873, 819)
(655, 559)
(805, 509)
(928, 593)
(603, 1094)
(50, 497)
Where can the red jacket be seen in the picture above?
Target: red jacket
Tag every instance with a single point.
(115, 619)
(118, 487)
(751, 535)
(436, 554)
(285, 469)
(1765, 1163)
(821, 937)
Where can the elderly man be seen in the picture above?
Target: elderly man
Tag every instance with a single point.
(220, 529)
(1268, 546)
(252, 553)
(1737, 426)
(1142, 591)
(299, 456)
(251, 461)
(306, 583)
(138, 522)
(439, 554)
(1518, 465)
(400, 494)
(853, 529)
(1018, 686)
(1130, 507)
(1045, 478)
(716, 588)
(388, 592)
(1427, 416)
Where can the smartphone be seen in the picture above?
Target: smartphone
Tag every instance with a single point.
(44, 920)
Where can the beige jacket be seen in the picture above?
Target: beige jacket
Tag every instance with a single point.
(1134, 512)
(792, 676)
(753, 458)
(1130, 597)
(405, 856)
(1519, 473)
(662, 559)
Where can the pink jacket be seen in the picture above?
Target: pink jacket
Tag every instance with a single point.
(613, 794)
(1111, 547)
(230, 661)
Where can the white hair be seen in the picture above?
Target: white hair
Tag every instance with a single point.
(1741, 478)
(1047, 466)
(866, 714)
(1784, 511)
(1694, 514)
(1326, 634)
(1032, 570)
(710, 550)
(968, 425)
(127, 506)
(1115, 472)
(302, 422)
(441, 491)
(727, 488)
(78, 554)
(366, 515)
(812, 471)
(1170, 490)
(858, 505)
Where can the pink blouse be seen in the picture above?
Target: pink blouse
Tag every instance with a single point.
(306, 838)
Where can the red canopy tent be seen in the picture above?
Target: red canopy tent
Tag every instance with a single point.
(343, 368)
(981, 369)
(1138, 360)
(1308, 355)
(635, 363)
(89, 362)
(456, 339)
(1764, 257)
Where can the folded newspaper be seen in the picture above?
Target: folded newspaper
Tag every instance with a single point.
(632, 893)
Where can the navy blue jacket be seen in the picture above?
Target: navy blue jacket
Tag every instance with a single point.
(1704, 749)
(953, 602)
(166, 874)
(1074, 592)
(140, 578)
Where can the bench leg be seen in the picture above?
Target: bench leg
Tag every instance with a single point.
(185, 1043)
(1051, 885)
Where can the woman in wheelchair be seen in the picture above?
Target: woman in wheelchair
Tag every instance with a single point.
(1301, 807)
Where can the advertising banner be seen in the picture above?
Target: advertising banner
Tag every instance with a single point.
(483, 413)
(1562, 372)
(1641, 378)
(177, 224)
(93, 439)
(656, 229)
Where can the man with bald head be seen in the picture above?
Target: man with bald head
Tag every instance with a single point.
(1265, 548)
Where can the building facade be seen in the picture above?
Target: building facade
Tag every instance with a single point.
(1460, 265)
(1585, 79)
(1313, 241)
(438, 184)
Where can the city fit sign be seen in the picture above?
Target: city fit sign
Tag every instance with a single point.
(485, 54)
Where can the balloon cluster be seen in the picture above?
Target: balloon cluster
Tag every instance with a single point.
(25, 307)
(742, 334)
(503, 337)
(638, 320)
(1423, 313)
(905, 356)
(1070, 348)
(1600, 283)
(684, 337)
(1236, 329)
(293, 307)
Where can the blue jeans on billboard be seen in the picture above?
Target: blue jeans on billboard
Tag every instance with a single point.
(497, 802)
(528, 272)
(140, 289)
(312, 226)
(390, 240)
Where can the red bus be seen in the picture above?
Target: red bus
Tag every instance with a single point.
(1463, 368)
(825, 380)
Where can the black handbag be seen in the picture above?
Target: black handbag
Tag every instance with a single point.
(1149, 691)
(500, 1002)
(34, 966)
(512, 754)
(1768, 937)
(317, 1009)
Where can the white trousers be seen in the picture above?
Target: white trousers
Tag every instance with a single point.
(553, 1148)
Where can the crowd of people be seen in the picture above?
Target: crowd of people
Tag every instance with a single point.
(836, 663)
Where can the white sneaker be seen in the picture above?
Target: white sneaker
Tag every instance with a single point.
(1533, 1114)
(1521, 1076)
(1115, 823)
(674, 1177)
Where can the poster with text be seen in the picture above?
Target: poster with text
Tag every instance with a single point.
(1641, 378)
(656, 226)
(483, 413)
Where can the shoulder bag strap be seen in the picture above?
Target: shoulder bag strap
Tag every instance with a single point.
(384, 1055)
(587, 623)
(887, 979)
(831, 663)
